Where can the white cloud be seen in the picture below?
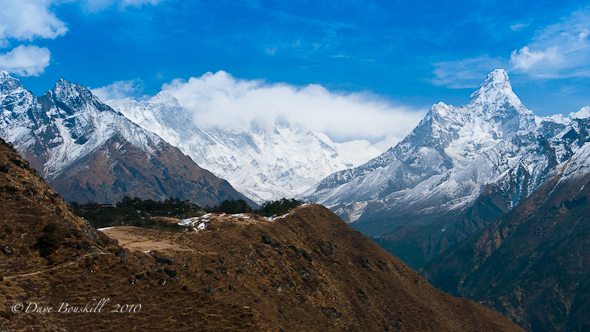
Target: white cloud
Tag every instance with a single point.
(119, 90)
(525, 58)
(98, 5)
(25, 60)
(465, 73)
(558, 51)
(28, 20)
(137, 3)
(518, 26)
(222, 100)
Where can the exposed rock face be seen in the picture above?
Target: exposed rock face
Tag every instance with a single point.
(90, 152)
(305, 271)
(533, 263)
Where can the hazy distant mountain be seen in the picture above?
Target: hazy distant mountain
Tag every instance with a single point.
(458, 170)
(265, 163)
(89, 152)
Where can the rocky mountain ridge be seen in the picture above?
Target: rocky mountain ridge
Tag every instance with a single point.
(458, 170)
(89, 152)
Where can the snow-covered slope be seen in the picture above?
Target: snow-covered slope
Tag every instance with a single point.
(88, 151)
(447, 140)
(63, 125)
(263, 163)
(459, 167)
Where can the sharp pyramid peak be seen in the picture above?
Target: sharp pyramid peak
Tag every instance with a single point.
(496, 90)
(496, 81)
(75, 96)
(498, 77)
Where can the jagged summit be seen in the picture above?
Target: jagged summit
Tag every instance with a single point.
(493, 101)
(14, 100)
(4, 75)
(64, 86)
(497, 80)
(498, 77)
(496, 94)
(63, 82)
(8, 83)
(74, 99)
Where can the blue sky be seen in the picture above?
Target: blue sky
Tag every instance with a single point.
(413, 53)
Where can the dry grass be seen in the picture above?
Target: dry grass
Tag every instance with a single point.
(141, 239)
(308, 271)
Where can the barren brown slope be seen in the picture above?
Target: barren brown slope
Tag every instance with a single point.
(533, 264)
(306, 271)
(85, 265)
(118, 169)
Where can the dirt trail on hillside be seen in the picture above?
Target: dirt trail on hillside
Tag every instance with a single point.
(52, 267)
(137, 239)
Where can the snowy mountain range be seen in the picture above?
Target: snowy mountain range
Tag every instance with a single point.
(263, 163)
(89, 152)
(468, 187)
(532, 263)
(459, 168)
(457, 171)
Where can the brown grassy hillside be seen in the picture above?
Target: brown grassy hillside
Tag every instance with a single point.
(307, 271)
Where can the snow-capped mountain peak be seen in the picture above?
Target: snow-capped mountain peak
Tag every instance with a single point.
(496, 88)
(15, 101)
(8, 83)
(476, 160)
(437, 159)
(583, 113)
(12, 88)
(494, 107)
(496, 80)
(91, 152)
(63, 88)
(75, 95)
(266, 160)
